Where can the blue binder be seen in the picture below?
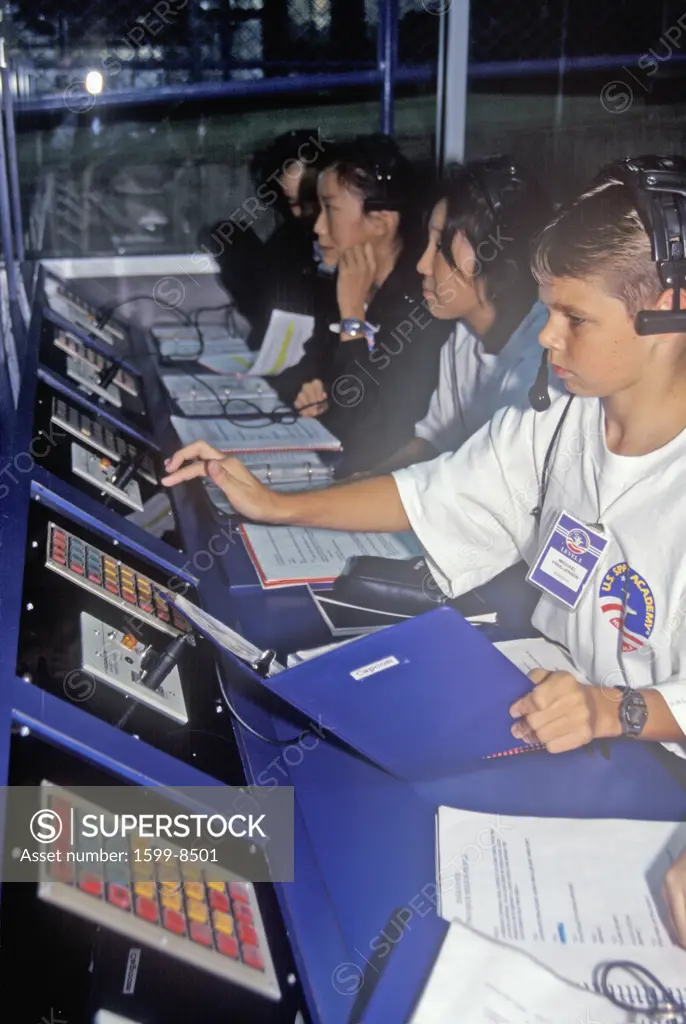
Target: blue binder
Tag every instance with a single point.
(392, 695)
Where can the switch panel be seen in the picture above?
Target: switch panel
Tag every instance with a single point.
(98, 470)
(110, 442)
(116, 659)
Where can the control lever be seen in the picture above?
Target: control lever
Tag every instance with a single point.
(155, 668)
(108, 375)
(126, 470)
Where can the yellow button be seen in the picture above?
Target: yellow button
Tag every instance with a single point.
(170, 888)
(195, 891)
(172, 902)
(196, 911)
(222, 922)
(146, 889)
(219, 886)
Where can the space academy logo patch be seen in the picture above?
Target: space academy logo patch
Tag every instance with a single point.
(578, 541)
(628, 603)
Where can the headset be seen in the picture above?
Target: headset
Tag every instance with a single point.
(495, 177)
(658, 188)
(385, 169)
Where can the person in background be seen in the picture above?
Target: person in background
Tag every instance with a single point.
(675, 896)
(369, 370)
(282, 272)
(476, 270)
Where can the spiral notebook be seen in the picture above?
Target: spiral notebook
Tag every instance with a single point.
(305, 435)
(572, 893)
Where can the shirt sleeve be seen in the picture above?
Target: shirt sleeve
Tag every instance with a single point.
(471, 509)
(674, 693)
(443, 426)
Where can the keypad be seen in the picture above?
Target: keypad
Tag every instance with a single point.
(194, 911)
(113, 580)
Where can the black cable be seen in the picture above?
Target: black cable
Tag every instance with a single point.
(545, 476)
(106, 312)
(279, 415)
(249, 728)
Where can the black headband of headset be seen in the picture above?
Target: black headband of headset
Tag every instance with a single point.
(658, 188)
(494, 178)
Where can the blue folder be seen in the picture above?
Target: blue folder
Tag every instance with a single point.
(392, 695)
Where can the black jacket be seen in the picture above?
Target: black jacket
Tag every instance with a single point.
(375, 398)
(280, 273)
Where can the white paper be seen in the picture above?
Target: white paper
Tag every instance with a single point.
(283, 342)
(225, 637)
(478, 981)
(298, 657)
(294, 554)
(227, 362)
(539, 653)
(303, 435)
(572, 893)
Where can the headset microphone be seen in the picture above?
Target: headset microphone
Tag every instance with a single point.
(539, 396)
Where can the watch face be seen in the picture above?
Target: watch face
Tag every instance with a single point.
(634, 713)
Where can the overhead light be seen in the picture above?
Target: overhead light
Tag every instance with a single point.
(94, 83)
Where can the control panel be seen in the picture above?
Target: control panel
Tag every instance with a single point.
(91, 451)
(73, 307)
(107, 928)
(98, 629)
(195, 912)
(92, 368)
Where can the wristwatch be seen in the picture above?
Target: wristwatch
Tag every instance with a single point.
(359, 329)
(633, 711)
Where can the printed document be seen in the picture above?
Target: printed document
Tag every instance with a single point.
(283, 343)
(572, 893)
(478, 981)
(303, 435)
(286, 555)
(225, 638)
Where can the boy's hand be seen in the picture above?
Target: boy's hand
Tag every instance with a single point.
(562, 714)
(311, 392)
(675, 897)
(245, 492)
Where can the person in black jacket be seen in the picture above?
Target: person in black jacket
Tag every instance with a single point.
(372, 365)
(284, 271)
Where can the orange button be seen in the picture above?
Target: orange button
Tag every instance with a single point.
(222, 922)
(146, 889)
(196, 911)
(195, 891)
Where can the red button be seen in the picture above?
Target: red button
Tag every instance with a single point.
(251, 956)
(227, 945)
(246, 933)
(242, 912)
(75, 567)
(219, 900)
(201, 933)
(174, 922)
(119, 895)
(90, 884)
(239, 892)
(112, 587)
(128, 597)
(147, 908)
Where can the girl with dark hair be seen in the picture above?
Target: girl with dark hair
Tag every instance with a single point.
(282, 272)
(476, 270)
(369, 370)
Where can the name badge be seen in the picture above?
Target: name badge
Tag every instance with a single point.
(568, 560)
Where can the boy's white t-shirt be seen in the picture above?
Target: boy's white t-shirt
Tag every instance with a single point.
(473, 384)
(471, 511)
